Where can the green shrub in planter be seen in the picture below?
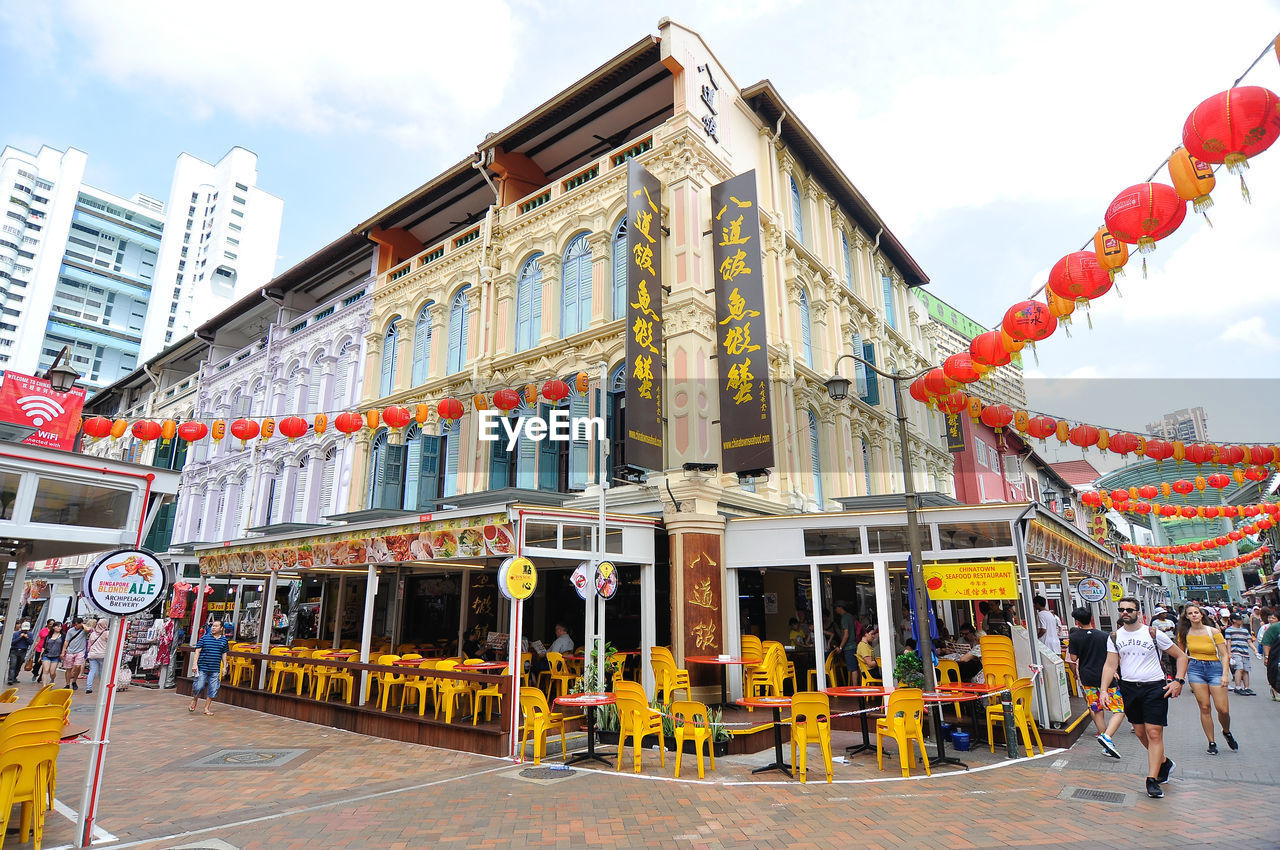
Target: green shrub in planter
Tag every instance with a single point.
(908, 671)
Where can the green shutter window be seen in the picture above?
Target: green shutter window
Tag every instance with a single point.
(859, 370)
(452, 435)
(873, 380)
(413, 462)
(620, 271)
(890, 309)
(579, 450)
(428, 471)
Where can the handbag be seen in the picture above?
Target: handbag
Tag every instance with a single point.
(29, 665)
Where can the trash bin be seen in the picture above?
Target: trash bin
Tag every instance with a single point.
(960, 740)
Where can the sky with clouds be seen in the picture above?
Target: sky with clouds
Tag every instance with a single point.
(990, 136)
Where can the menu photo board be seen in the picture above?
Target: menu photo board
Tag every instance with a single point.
(746, 424)
(643, 440)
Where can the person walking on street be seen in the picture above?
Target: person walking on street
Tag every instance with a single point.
(97, 652)
(51, 653)
(1048, 628)
(845, 643)
(1133, 651)
(1241, 646)
(1087, 650)
(73, 653)
(1269, 643)
(21, 642)
(209, 652)
(37, 669)
(1207, 672)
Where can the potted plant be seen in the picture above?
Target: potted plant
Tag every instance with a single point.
(719, 732)
(908, 671)
(606, 715)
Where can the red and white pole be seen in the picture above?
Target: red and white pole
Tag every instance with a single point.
(99, 730)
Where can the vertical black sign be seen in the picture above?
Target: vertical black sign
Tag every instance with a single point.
(644, 319)
(955, 433)
(746, 428)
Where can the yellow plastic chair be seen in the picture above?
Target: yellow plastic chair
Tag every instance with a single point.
(39, 695)
(753, 652)
(1022, 719)
(692, 723)
(902, 722)
(765, 679)
(868, 681)
(450, 691)
(388, 682)
(833, 677)
(11, 695)
(487, 696)
(25, 775)
(1073, 687)
(327, 677)
(281, 670)
(526, 662)
(420, 686)
(237, 667)
(667, 676)
(52, 696)
(948, 673)
(539, 719)
(788, 667)
(637, 720)
(810, 719)
(559, 675)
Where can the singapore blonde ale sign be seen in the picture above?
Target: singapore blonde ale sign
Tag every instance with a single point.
(124, 582)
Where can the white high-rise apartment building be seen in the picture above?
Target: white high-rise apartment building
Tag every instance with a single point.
(1187, 424)
(115, 280)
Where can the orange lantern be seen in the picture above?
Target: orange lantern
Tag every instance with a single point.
(1011, 345)
(421, 413)
(531, 395)
(1061, 308)
(293, 427)
(168, 428)
(1063, 431)
(1192, 179)
(268, 428)
(321, 423)
(582, 383)
(479, 401)
(118, 427)
(219, 430)
(1021, 421)
(974, 406)
(1112, 254)
(371, 419)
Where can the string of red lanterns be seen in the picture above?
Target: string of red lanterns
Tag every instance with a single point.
(1179, 567)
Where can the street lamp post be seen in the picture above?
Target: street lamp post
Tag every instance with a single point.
(838, 390)
(61, 376)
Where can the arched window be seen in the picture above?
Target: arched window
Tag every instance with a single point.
(457, 332)
(815, 455)
(529, 304)
(342, 374)
(329, 482)
(806, 329)
(242, 516)
(797, 213)
(377, 468)
(258, 398)
(276, 499)
(848, 259)
(300, 484)
(315, 398)
(412, 467)
(620, 270)
(866, 467)
(390, 350)
(242, 403)
(422, 345)
(575, 287)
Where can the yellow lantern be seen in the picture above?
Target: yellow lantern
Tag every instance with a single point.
(219, 429)
(1060, 308)
(1165, 489)
(1238, 475)
(1192, 180)
(421, 413)
(480, 401)
(1104, 437)
(1141, 450)
(1020, 421)
(1064, 431)
(583, 383)
(321, 423)
(1179, 451)
(531, 395)
(268, 428)
(1200, 482)
(1011, 345)
(1112, 254)
(975, 407)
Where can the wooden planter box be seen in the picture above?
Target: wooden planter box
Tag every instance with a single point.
(719, 748)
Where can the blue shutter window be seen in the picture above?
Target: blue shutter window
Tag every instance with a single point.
(390, 344)
(458, 332)
(806, 330)
(422, 345)
(413, 466)
(579, 450)
(873, 382)
(890, 311)
(620, 271)
(529, 304)
(575, 287)
(859, 370)
(848, 260)
(815, 456)
(526, 462)
(866, 467)
(376, 468)
(797, 214)
(451, 433)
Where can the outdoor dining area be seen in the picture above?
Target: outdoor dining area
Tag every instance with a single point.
(31, 737)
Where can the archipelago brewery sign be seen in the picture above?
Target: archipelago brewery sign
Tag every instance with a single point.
(742, 348)
(643, 394)
(126, 581)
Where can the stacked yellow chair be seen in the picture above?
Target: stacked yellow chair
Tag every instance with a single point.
(11, 695)
(668, 677)
(810, 719)
(833, 673)
(753, 652)
(637, 720)
(766, 678)
(1022, 718)
(29, 744)
(539, 719)
(692, 723)
(787, 667)
(903, 721)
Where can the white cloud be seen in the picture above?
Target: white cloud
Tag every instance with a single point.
(400, 68)
(1253, 333)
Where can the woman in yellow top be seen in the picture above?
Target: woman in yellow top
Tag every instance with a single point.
(1207, 672)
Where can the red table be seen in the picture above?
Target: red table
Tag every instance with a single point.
(589, 701)
(488, 665)
(725, 663)
(775, 703)
(862, 695)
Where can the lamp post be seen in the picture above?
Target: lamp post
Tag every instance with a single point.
(61, 376)
(838, 390)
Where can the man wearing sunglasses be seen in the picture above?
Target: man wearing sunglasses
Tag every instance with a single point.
(1134, 651)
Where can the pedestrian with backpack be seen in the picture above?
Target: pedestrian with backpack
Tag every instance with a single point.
(1134, 652)
(1087, 650)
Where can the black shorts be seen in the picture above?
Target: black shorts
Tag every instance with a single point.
(1145, 702)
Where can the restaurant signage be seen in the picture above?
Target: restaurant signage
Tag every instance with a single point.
(1092, 589)
(480, 536)
(517, 578)
(1117, 591)
(643, 440)
(1058, 549)
(606, 579)
(988, 580)
(955, 433)
(583, 579)
(32, 402)
(125, 582)
(742, 347)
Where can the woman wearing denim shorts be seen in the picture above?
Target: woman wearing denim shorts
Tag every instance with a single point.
(1208, 672)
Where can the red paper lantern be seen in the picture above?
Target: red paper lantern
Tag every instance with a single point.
(1145, 213)
(1235, 536)
(396, 416)
(555, 391)
(1253, 473)
(1230, 511)
(1148, 491)
(987, 349)
(960, 368)
(1230, 455)
(1251, 511)
(293, 427)
(1199, 453)
(1232, 126)
(997, 416)
(1182, 487)
(96, 427)
(245, 430)
(506, 400)
(348, 423)
(1123, 443)
(1168, 510)
(1029, 321)
(192, 431)
(936, 383)
(1187, 512)
(1120, 496)
(449, 409)
(1091, 499)
(1218, 481)
(1142, 508)
(1159, 450)
(146, 430)
(1042, 427)
(918, 392)
(1222, 540)
(952, 402)
(1084, 436)
(1261, 455)
(1078, 277)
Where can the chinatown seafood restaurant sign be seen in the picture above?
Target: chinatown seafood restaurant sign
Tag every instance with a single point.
(465, 537)
(124, 582)
(746, 427)
(1058, 549)
(645, 355)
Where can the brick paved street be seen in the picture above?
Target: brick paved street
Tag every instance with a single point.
(333, 789)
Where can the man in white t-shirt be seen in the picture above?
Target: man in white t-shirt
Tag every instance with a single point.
(1048, 628)
(1134, 651)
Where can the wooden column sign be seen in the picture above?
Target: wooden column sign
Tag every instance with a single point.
(643, 445)
(746, 428)
(703, 602)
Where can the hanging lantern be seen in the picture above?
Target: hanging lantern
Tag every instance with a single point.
(1193, 180)
(1199, 453)
(987, 349)
(506, 400)
(1110, 252)
(1168, 510)
(192, 431)
(997, 416)
(118, 427)
(1261, 455)
(348, 423)
(293, 427)
(935, 381)
(1063, 431)
(918, 392)
(268, 428)
(1120, 496)
(480, 401)
(1182, 487)
(1187, 512)
(1234, 536)
(1145, 213)
(145, 430)
(582, 383)
(371, 418)
(1165, 489)
(1211, 512)
(1104, 437)
(1251, 511)
(320, 423)
(96, 427)
(1142, 508)
(952, 402)
(449, 409)
(1200, 482)
(1253, 473)
(1091, 499)
(1060, 308)
(1078, 277)
(1230, 455)
(960, 368)
(555, 391)
(245, 430)
(396, 416)
(1084, 436)
(1041, 427)
(421, 413)
(1159, 450)
(1029, 321)
(531, 395)
(1021, 421)
(219, 430)
(1011, 345)
(168, 429)
(1232, 126)
(974, 405)
(1122, 443)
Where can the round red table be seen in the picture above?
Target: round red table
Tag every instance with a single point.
(590, 701)
(486, 666)
(775, 703)
(862, 695)
(724, 663)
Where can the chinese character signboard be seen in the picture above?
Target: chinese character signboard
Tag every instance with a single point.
(746, 424)
(993, 580)
(31, 401)
(955, 433)
(701, 575)
(644, 319)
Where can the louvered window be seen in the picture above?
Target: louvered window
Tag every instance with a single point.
(277, 497)
(390, 350)
(866, 467)
(620, 270)
(797, 212)
(859, 370)
(329, 482)
(579, 450)
(529, 304)
(848, 259)
(458, 331)
(890, 309)
(575, 287)
(300, 489)
(377, 468)
(413, 467)
(422, 345)
(806, 330)
(314, 398)
(815, 456)
(452, 434)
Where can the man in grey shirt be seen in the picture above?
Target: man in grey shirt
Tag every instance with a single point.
(73, 652)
